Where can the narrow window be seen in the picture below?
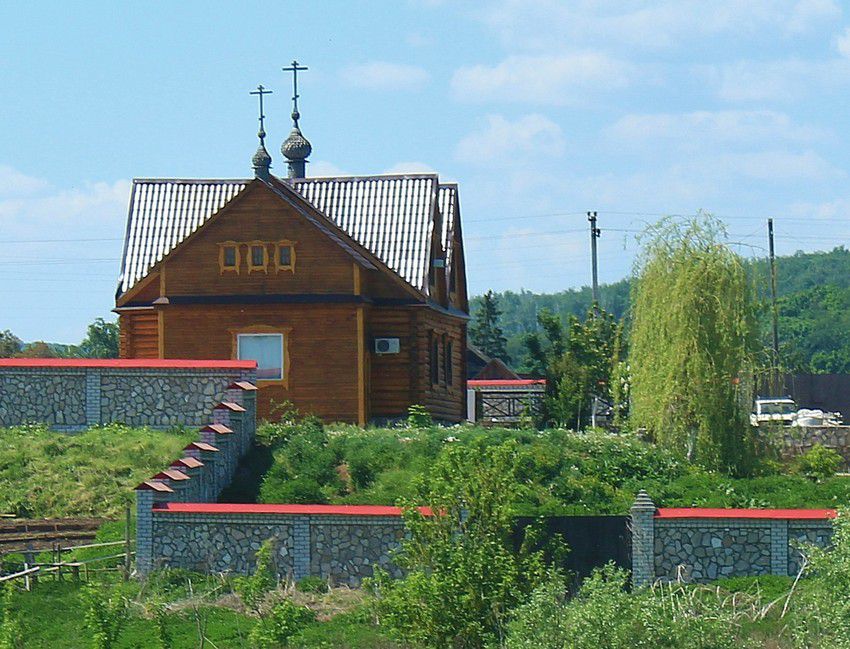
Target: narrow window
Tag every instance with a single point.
(447, 365)
(284, 255)
(435, 359)
(228, 256)
(258, 256)
(267, 350)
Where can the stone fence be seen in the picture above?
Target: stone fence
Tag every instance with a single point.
(341, 544)
(72, 394)
(702, 545)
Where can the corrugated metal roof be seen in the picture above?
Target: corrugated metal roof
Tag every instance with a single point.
(448, 207)
(162, 214)
(393, 217)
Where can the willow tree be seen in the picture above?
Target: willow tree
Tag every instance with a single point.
(694, 341)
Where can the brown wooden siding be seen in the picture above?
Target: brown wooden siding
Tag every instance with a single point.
(445, 402)
(139, 335)
(322, 347)
(321, 266)
(390, 373)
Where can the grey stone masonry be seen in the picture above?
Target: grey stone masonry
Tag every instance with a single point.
(704, 545)
(643, 540)
(72, 394)
(340, 548)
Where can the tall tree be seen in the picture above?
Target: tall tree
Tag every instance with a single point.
(101, 340)
(694, 341)
(10, 344)
(486, 332)
(577, 361)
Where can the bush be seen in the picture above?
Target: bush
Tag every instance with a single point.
(312, 584)
(253, 589)
(604, 614)
(419, 417)
(285, 620)
(819, 463)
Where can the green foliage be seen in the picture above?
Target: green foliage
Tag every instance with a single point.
(10, 344)
(285, 620)
(48, 474)
(312, 584)
(605, 615)
(693, 344)
(419, 417)
(11, 630)
(577, 361)
(253, 589)
(101, 341)
(819, 463)
(462, 575)
(163, 632)
(105, 616)
(484, 330)
(823, 618)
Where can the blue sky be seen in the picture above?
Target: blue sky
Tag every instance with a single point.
(541, 110)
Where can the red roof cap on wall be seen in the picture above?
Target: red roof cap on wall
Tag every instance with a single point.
(313, 510)
(699, 512)
(519, 383)
(130, 363)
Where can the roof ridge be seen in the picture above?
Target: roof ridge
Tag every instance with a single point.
(398, 176)
(193, 181)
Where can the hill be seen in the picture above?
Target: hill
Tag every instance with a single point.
(814, 318)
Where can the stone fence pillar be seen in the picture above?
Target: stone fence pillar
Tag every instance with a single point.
(643, 540)
(147, 493)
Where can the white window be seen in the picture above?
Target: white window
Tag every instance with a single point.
(267, 350)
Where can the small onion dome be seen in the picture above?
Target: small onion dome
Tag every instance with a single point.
(296, 146)
(261, 159)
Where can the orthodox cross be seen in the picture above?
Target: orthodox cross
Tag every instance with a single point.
(260, 91)
(294, 69)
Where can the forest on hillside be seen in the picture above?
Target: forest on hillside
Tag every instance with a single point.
(813, 305)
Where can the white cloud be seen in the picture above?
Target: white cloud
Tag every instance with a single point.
(544, 24)
(383, 75)
(705, 128)
(779, 166)
(502, 140)
(412, 167)
(843, 43)
(322, 168)
(14, 183)
(758, 81)
(558, 80)
(65, 212)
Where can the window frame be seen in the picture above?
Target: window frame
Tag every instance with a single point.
(264, 330)
(282, 267)
(448, 364)
(265, 266)
(222, 267)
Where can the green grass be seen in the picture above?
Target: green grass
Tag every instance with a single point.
(49, 474)
(53, 618)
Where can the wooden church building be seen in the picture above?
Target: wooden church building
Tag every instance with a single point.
(349, 292)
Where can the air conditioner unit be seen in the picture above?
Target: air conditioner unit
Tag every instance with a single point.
(387, 345)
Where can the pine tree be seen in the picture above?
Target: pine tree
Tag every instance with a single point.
(485, 331)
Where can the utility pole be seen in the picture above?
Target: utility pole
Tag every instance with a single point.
(594, 235)
(773, 291)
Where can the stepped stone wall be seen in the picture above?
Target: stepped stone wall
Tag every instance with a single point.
(72, 394)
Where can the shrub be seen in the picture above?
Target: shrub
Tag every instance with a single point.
(285, 620)
(419, 417)
(604, 614)
(104, 616)
(312, 584)
(819, 463)
(253, 589)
